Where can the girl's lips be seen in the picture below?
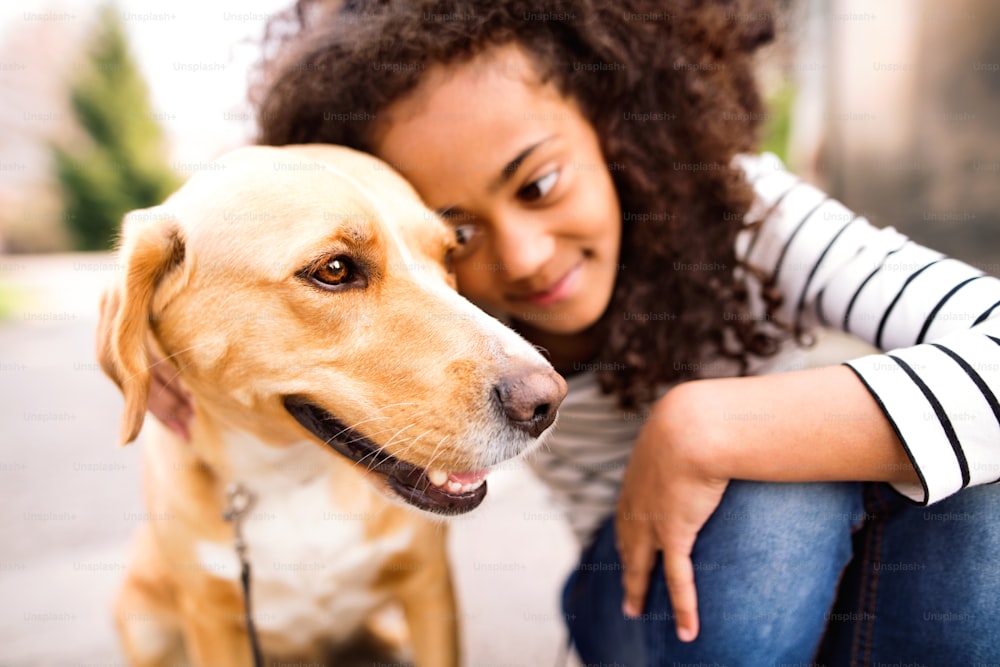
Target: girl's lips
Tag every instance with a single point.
(558, 291)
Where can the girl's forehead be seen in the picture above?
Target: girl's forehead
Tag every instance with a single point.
(487, 102)
(464, 133)
(507, 66)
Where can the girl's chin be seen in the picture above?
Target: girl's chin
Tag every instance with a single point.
(555, 322)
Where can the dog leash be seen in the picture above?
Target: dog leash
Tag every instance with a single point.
(238, 502)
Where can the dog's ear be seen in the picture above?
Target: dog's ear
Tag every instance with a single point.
(151, 248)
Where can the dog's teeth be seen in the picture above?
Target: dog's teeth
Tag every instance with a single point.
(437, 477)
(454, 487)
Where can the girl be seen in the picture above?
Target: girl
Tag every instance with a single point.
(596, 161)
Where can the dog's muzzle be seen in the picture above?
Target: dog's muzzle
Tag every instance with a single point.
(409, 481)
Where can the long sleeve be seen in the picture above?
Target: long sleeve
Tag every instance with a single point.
(937, 318)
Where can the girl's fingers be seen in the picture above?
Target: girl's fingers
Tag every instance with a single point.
(679, 573)
(637, 562)
(637, 553)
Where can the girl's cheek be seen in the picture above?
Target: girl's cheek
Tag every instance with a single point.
(479, 283)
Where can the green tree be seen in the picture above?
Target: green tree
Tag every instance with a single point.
(121, 165)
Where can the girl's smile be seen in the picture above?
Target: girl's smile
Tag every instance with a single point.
(517, 170)
(555, 292)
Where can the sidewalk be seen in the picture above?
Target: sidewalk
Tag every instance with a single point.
(69, 495)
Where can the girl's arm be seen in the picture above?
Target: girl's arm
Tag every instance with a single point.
(924, 417)
(812, 425)
(938, 387)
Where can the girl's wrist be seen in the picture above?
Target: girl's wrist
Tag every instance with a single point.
(688, 423)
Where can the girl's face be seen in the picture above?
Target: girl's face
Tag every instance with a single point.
(514, 166)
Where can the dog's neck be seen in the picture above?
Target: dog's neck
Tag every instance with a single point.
(233, 447)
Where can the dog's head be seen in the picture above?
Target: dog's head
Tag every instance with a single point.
(307, 288)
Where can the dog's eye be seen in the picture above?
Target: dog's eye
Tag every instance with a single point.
(337, 271)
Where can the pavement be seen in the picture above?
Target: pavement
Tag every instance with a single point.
(70, 498)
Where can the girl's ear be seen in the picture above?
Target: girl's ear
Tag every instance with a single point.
(151, 248)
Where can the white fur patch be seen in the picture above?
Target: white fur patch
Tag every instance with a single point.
(149, 638)
(312, 567)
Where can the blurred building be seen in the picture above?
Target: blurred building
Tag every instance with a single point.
(896, 115)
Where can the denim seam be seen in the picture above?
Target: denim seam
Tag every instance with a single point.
(861, 645)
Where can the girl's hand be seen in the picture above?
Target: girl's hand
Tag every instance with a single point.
(169, 401)
(667, 496)
(705, 432)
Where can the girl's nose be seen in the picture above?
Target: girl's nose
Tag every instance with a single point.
(523, 245)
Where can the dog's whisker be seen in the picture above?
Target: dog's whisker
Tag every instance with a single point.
(542, 349)
(338, 435)
(354, 426)
(381, 449)
(346, 429)
(151, 366)
(374, 454)
(396, 434)
(434, 453)
(439, 446)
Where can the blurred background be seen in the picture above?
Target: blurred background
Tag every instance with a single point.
(890, 106)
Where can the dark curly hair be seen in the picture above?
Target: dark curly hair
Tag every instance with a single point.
(669, 88)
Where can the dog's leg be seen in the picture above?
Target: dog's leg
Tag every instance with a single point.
(162, 623)
(215, 637)
(428, 601)
(145, 614)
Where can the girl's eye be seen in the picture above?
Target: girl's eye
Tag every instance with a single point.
(466, 240)
(539, 188)
(464, 234)
(466, 230)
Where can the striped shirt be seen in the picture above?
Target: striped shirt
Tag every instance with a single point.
(938, 317)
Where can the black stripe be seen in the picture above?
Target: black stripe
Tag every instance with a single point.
(819, 260)
(822, 292)
(768, 214)
(819, 308)
(899, 435)
(994, 339)
(791, 237)
(850, 304)
(940, 305)
(942, 416)
(977, 379)
(895, 300)
(986, 314)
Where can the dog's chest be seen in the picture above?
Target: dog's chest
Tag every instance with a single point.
(313, 564)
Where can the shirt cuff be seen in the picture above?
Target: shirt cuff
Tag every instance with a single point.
(939, 399)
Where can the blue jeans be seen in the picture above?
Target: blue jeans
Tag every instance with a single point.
(811, 574)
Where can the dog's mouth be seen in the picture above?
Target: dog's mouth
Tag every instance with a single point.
(431, 490)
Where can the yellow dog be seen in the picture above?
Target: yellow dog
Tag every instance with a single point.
(302, 295)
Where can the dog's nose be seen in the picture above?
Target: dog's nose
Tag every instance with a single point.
(530, 398)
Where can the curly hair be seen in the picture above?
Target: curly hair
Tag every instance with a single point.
(668, 86)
